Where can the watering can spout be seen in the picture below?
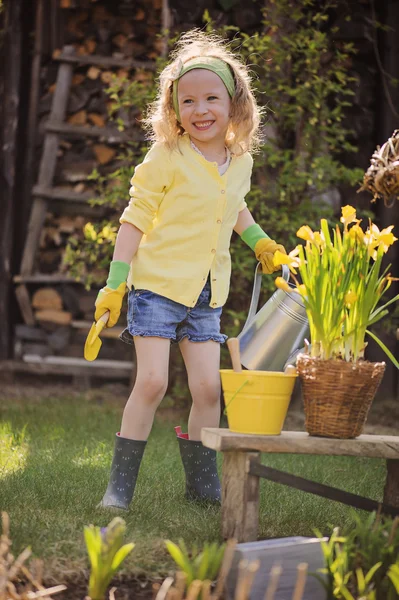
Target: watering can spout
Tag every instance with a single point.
(276, 332)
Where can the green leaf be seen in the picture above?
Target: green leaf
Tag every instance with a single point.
(92, 545)
(203, 565)
(384, 348)
(180, 559)
(393, 574)
(372, 572)
(120, 556)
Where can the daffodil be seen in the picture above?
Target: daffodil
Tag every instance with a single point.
(341, 284)
(291, 260)
(383, 239)
(282, 284)
(305, 233)
(301, 289)
(348, 215)
(356, 233)
(350, 298)
(319, 239)
(314, 237)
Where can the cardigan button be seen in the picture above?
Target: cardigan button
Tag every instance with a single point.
(222, 191)
(218, 221)
(213, 250)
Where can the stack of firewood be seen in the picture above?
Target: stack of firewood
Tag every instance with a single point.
(129, 33)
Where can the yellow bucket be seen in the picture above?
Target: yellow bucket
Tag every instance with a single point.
(257, 401)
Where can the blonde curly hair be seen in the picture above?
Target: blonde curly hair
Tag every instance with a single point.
(161, 121)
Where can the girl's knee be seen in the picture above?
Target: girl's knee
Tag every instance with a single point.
(152, 386)
(205, 391)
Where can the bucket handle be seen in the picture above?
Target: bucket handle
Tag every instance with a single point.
(256, 291)
(234, 395)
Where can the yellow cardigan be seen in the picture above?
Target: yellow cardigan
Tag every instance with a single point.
(187, 212)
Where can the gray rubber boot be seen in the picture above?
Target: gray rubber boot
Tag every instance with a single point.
(124, 471)
(202, 480)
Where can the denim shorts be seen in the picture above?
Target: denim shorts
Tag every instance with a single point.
(150, 314)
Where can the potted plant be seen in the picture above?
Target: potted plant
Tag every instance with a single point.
(342, 283)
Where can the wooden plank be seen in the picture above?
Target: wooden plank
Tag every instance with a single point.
(69, 201)
(57, 193)
(320, 489)
(47, 165)
(25, 307)
(104, 134)
(106, 61)
(72, 361)
(391, 490)
(12, 44)
(42, 367)
(45, 278)
(30, 333)
(300, 442)
(240, 497)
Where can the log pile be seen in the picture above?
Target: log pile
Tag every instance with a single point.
(91, 140)
(119, 41)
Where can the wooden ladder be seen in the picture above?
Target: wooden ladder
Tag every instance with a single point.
(45, 193)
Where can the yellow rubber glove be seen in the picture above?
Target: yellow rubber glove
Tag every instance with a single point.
(264, 252)
(109, 299)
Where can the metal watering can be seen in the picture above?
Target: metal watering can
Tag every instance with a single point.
(273, 336)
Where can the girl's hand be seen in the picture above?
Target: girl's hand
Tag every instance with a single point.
(264, 252)
(109, 299)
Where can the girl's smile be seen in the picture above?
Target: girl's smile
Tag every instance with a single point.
(203, 125)
(204, 106)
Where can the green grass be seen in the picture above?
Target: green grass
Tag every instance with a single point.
(55, 456)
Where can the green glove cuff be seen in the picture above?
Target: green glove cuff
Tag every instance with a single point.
(118, 272)
(253, 234)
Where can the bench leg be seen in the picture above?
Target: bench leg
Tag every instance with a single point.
(391, 490)
(240, 497)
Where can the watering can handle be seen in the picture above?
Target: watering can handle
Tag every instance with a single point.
(256, 290)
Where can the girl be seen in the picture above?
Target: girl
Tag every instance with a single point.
(172, 247)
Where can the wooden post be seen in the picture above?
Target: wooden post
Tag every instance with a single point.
(240, 497)
(391, 490)
(11, 72)
(32, 115)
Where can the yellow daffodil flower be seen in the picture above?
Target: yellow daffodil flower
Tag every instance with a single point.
(314, 237)
(282, 284)
(386, 238)
(301, 289)
(356, 233)
(319, 239)
(350, 298)
(291, 260)
(305, 233)
(348, 215)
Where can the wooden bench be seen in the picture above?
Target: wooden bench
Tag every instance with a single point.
(242, 469)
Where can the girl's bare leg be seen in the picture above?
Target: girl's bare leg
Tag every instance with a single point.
(202, 361)
(149, 389)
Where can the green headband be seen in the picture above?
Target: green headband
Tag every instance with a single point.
(210, 63)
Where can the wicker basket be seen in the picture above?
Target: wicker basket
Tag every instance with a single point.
(337, 394)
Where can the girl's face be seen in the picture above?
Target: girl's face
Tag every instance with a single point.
(204, 105)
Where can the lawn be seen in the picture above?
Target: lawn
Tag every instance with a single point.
(55, 455)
